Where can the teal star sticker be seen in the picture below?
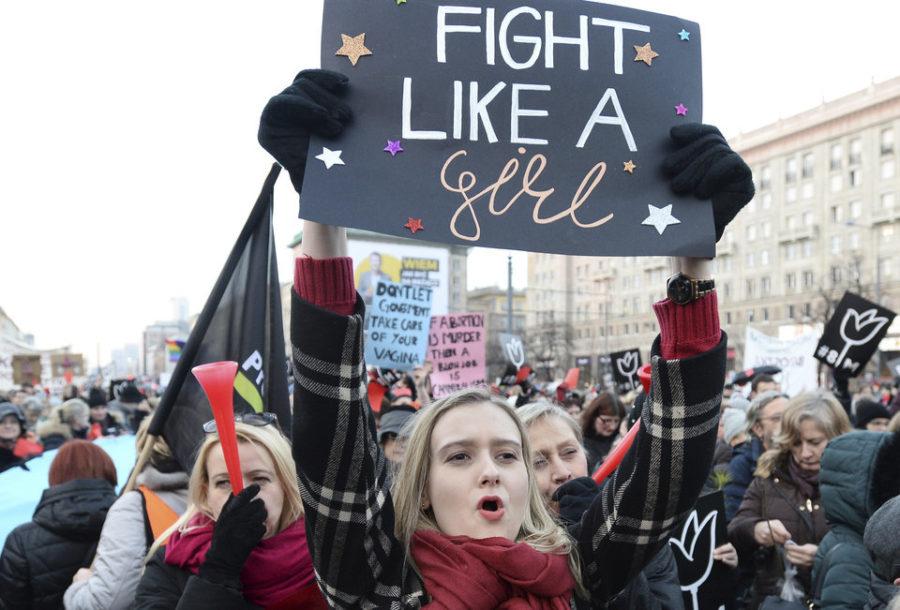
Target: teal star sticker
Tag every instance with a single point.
(683, 34)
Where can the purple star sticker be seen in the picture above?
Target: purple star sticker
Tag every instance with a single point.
(393, 147)
(681, 110)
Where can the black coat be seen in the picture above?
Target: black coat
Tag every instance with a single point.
(164, 587)
(41, 556)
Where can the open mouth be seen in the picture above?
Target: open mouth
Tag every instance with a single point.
(491, 508)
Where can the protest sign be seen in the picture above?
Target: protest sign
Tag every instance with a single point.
(852, 334)
(26, 369)
(397, 325)
(704, 583)
(625, 365)
(583, 364)
(539, 128)
(793, 356)
(456, 351)
(513, 349)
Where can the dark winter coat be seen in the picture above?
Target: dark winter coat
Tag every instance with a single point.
(740, 474)
(776, 497)
(164, 587)
(597, 448)
(41, 556)
(854, 482)
(880, 594)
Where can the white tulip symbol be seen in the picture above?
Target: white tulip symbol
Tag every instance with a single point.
(691, 534)
(628, 365)
(860, 322)
(515, 351)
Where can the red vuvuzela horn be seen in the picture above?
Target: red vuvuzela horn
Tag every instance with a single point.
(217, 381)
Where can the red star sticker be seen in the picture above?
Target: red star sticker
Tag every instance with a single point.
(414, 224)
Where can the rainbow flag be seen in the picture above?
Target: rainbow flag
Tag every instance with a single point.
(173, 349)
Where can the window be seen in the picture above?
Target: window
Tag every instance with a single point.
(790, 171)
(750, 289)
(765, 178)
(791, 312)
(837, 214)
(807, 249)
(888, 169)
(885, 266)
(808, 219)
(887, 141)
(808, 190)
(807, 310)
(726, 289)
(765, 314)
(837, 156)
(808, 279)
(855, 178)
(728, 318)
(792, 222)
(836, 274)
(856, 209)
(836, 244)
(766, 201)
(855, 151)
(837, 183)
(887, 201)
(750, 259)
(854, 241)
(765, 286)
(751, 232)
(790, 195)
(887, 230)
(790, 281)
(790, 252)
(767, 229)
(764, 257)
(808, 165)
(749, 316)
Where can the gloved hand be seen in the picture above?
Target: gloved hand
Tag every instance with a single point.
(239, 528)
(574, 498)
(310, 105)
(705, 165)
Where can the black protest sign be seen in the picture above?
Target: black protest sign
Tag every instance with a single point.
(852, 334)
(539, 127)
(625, 365)
(513, 349)
(705, 583)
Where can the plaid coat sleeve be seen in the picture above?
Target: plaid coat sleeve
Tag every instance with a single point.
(343, 474)
(660, 478)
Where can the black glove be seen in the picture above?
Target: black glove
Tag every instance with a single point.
(240, 527)
(310, 105)
(574, 498)
(705, 165)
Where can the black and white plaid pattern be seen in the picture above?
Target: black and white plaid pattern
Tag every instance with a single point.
(344, 476)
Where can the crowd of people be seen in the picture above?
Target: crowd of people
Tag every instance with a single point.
(481, 499)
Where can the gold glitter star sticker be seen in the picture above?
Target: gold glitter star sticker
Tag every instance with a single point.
(645, 54)
(354, 47)
(629, 166)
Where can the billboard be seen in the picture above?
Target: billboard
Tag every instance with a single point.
(375, 261)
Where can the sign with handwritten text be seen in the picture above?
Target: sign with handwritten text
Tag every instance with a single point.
(397, 325)
(456, 351)
(538, 127)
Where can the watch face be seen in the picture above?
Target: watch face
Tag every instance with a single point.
(680, 290)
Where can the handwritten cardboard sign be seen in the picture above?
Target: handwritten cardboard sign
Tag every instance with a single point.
(852, 334)
(487, 123)
(397, 325)
(456, 351)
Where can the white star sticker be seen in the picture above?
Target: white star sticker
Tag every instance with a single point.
(660, 218)
(330, 157)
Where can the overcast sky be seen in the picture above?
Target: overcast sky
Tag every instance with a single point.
(128, 154)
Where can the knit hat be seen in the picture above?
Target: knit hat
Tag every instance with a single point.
(882, 541)
(129, 393)
(867, 410)
(74, 408)
(8, 408)
(735, 422)
(393, 421)
(96, 398)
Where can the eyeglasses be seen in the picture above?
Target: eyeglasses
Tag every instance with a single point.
(253, 419)
(610, 421)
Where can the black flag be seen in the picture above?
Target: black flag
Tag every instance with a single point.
(241, 321)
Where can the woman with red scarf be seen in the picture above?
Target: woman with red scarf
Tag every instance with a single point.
(463, 524)
(236, 551)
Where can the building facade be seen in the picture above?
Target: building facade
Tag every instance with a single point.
(825, 219)
(493, 302)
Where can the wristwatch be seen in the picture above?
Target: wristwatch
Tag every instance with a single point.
(682, 289)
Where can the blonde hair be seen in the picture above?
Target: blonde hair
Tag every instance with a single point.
(820, 407)
(533, 412)
(539, 529)
(265, 438)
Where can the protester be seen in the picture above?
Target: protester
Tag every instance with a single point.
(860, 472)
(763, 383)
(763, 423)
(466, 470)
(600, 427)
(133, 404)
(781, 518)
(34, 408)
(15, 446)
(40, 557)
(133, 522)
(871, 415)
(391, 434)
(103, 421)
(69, 420)
(236, 551)
(559, 458)
(883, 544)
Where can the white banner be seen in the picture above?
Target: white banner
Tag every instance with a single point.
(793, 356)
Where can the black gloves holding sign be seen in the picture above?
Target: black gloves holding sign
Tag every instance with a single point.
(239, 528)
(310, 105)
(705, 165)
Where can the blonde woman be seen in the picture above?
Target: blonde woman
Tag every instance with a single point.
(243, 551)
(464, 525)
(782, 514)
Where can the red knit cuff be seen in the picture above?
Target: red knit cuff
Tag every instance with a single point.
(688, 330)
(326, 283)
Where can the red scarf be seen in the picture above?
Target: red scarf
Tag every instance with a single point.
(278, 573)
(461, 572)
